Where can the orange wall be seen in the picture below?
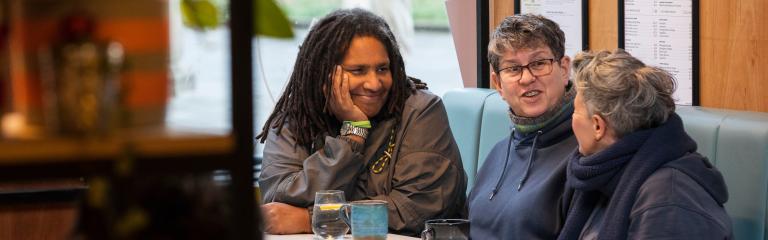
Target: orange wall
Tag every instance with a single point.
(733, 48)
(140, 26)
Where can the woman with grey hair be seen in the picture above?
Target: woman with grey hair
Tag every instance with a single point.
(636, 174)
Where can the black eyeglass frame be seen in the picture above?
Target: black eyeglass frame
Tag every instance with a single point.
(527, 66)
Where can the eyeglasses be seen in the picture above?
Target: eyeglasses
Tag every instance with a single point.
(537, 68)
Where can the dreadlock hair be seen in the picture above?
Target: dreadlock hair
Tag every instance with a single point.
(304, 103)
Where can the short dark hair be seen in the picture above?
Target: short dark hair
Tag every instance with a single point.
(304, 103)
(525, 31)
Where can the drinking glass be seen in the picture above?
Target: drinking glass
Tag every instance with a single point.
(326, 218)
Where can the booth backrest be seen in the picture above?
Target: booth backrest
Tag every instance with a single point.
(735, 141)
(465, 110)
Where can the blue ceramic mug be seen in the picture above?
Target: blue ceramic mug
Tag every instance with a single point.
(367, 218)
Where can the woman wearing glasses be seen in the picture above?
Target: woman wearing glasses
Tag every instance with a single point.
(519, 187)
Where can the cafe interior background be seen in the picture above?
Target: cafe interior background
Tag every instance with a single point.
(111, 109)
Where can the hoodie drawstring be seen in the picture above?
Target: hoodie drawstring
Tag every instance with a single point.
(504, 169)
(506, 162)
(530, 161)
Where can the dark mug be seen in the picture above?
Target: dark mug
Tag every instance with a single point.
(446, 229)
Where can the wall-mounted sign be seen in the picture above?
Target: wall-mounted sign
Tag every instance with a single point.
(664, 33)
(571, 15)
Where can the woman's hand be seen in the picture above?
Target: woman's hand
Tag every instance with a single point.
(281, 218)
(341, 103)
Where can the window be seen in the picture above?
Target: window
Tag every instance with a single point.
(200, 63)
(200, 96)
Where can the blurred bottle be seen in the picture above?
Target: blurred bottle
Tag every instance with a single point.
(81, 80)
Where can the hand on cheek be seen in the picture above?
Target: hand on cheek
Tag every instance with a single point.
(341, 103)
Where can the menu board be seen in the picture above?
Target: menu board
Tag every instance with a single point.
(661, 33)
(571, 15)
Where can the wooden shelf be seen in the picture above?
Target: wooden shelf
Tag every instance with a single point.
(142, 143)
(168, 143)
(22, 187)
(26, 155)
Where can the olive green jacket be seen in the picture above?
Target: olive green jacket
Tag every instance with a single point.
(423, 180)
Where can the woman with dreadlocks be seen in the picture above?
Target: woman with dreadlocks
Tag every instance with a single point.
(350, 119)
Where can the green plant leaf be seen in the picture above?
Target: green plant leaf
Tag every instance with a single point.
(199, 14)
(269, 20)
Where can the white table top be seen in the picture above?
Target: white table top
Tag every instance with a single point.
(309, 237)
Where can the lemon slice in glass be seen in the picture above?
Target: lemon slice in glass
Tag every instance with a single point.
(333, 206)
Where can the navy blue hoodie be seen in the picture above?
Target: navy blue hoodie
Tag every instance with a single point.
(519, 187)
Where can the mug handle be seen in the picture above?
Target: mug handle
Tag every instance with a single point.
(428, 234)
(344, 214)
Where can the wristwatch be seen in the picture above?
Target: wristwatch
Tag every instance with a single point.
(348, 129)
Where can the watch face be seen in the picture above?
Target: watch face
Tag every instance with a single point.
(348, 129)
